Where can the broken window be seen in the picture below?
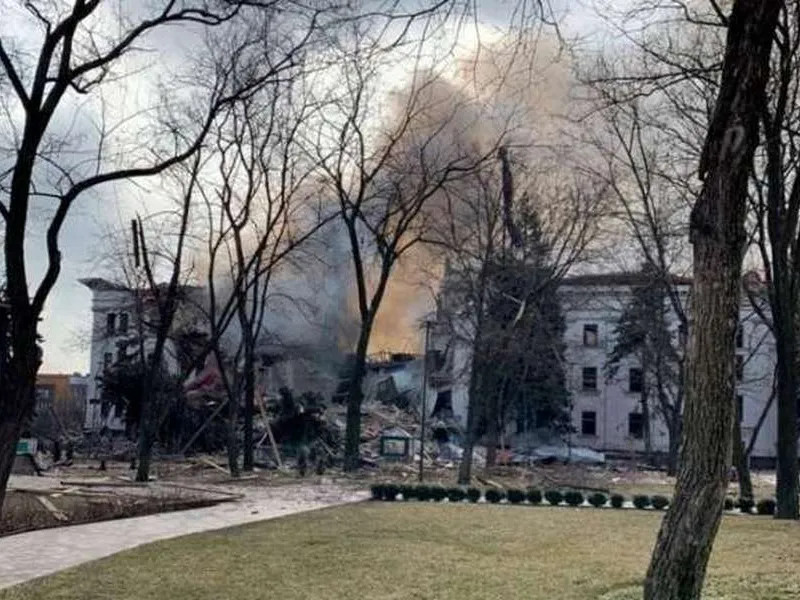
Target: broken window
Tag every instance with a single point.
(636, 425)
(589, 423)
(590, 335)
(444, 404)
(123, 324)
(111, 323)
(635, 380)
(590, 378)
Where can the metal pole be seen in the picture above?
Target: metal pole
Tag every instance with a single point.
(424, 401)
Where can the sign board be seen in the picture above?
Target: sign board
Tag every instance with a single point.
(26, 447)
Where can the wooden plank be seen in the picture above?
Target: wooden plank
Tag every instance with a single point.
(81, 483)
(263, 408)
(56, 512)
(211, 463)
(197, 488)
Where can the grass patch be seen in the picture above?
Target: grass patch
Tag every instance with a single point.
(393, 551)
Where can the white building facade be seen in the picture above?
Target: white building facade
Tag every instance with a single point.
(115, 335)
(607, 410)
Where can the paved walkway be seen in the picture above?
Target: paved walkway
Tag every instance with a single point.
(30, 555)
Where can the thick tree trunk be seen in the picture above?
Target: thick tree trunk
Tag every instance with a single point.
(17, 385)
(741, 460)
(648, 443)
(465, 468)
(10, 430)
(146, 439)
(352, 442)
(674, 422)
(672, 455)
(680, 557)
(233, 438)
(787, 469)
(249, 407)
(492, 428)
(687, 533)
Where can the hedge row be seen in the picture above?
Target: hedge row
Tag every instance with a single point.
(390, 492)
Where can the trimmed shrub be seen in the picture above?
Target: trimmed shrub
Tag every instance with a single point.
(390, 492)
(617, 500)
(377, 490)
(534, 496)
(660, 502)
(438, 493)
(641, 501)
(494, 495)
(423, 493)
(573, 498)
(456, 494)
(554, 497)
(746, 505)
(473, 494)
(766, 506)
(407, 491)
(597, 499)
(515, 496)
(729, 504)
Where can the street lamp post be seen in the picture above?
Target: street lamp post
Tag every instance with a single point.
(424, 413)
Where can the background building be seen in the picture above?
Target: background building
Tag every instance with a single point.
(607, 409)
(119, 333)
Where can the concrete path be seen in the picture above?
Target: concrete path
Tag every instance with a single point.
(37, 553)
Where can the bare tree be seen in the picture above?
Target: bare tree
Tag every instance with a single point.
(652, 198)
(73, 58)
(676, 81)
(261, 206)
(484, 221)
(77, 56)
(776, 205)
(383, 171)
(680, 557)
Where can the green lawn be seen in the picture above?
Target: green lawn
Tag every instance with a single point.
(427, 551)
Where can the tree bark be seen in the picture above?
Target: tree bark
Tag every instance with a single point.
(672, 454)
(787, 469)
(465, 468)
(10, 430)
(741, 460)
(648, 444)
(233, 438)
(680, 557)
(352, 442)
(249, 402)
(146, 438)
(492, 428)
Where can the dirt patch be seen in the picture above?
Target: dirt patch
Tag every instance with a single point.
(24, 512)
(43, 502)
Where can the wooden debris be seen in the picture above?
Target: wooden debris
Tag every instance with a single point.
(490, 483)
(83, 483)
(262, 406)
(197, 488)
(210, 463)
(55, 511)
